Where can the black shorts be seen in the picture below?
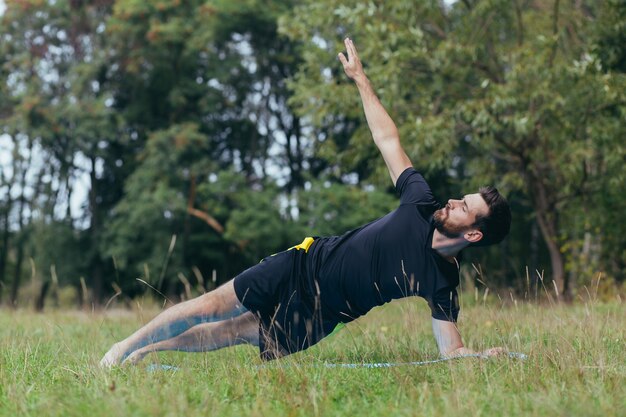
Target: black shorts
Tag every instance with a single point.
(280, 292)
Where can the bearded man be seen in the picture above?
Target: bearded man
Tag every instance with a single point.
(293, 299)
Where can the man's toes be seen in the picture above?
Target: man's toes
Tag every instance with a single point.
(108, 360)
(112, 357)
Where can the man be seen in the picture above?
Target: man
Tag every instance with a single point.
(293, 299)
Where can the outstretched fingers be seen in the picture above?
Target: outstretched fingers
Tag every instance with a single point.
(351, 63)
(346, 61)
(351, 49)
(343, 59)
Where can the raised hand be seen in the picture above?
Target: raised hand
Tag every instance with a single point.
(351, 65)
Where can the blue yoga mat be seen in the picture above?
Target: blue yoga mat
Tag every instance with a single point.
(513, 355)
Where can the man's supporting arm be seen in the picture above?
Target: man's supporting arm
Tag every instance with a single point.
(450, 343)
(384, 130)
(448, 338)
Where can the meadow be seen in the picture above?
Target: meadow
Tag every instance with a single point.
(576, 366)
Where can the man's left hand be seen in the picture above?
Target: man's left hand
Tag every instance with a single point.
(494, 351)
(352, 64)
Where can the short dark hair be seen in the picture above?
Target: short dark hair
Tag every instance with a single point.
(497, 223)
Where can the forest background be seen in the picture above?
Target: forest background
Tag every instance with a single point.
(168, 145)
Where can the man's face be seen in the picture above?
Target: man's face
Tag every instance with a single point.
(458, 216)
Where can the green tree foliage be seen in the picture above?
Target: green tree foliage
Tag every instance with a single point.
(209, 134)
(203, 87)
(509, 93)
(56, 58)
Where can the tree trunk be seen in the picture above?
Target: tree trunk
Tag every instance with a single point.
(534, 246)
(41, 299)
(17, 277)
(97, 286)
(297, 177)
(6, 232)
(68, 186)
(547, 219)
(94, 231)
(556, 257)
(5, 244)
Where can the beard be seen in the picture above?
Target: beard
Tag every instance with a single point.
(444, 226)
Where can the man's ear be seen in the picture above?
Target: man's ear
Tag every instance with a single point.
(473, 235)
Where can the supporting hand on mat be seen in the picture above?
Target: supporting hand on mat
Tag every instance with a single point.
(463, 351)
(494, 351)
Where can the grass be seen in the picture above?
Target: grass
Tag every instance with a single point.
(577, 367)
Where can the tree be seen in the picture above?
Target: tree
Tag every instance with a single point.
(486, 91)
(203, 88)
(54, 54)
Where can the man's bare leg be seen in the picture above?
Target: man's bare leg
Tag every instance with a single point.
(217, 305)
(206, 337)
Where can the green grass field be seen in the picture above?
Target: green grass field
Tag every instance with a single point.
(576, 367)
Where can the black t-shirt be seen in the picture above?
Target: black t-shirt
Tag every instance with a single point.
(386, 259)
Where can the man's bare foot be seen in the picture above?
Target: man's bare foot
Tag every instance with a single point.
(135, 357)
(113, 357)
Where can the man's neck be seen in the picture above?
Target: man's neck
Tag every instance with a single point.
(448, 247)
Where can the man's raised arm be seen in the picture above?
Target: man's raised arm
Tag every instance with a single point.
(383, 129)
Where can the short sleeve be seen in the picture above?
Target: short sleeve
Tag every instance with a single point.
(413, 188)
(445, 305)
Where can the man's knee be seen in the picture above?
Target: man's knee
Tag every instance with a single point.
(221, 302)
(244, 329)
(225, 292)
